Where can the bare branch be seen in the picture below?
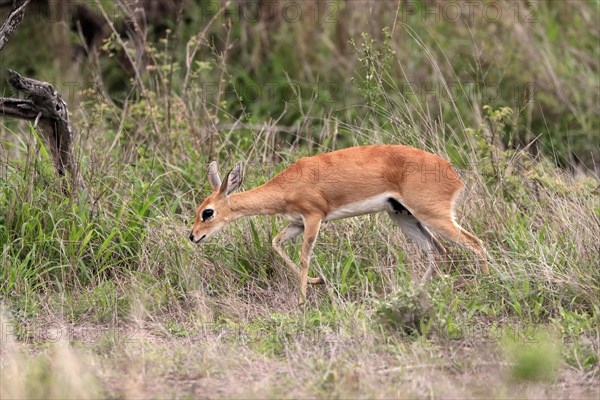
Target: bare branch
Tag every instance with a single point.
(15, 17)
(23, 109)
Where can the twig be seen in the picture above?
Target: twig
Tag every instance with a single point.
(190, 53)
(135, 65)
(255, 127)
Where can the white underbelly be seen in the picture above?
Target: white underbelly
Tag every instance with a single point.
(366, 206)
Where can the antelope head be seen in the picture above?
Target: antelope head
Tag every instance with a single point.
(215, 211)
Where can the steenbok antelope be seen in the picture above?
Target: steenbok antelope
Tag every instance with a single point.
(417, 189)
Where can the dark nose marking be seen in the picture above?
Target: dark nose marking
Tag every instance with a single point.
(192, 236)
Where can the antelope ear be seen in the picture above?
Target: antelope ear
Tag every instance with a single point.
(232, 181)
(214, 180)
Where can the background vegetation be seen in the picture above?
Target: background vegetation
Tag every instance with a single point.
(105, 295)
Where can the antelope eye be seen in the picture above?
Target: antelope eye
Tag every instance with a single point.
(206, 214)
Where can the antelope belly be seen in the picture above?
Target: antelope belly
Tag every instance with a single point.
(366, 206)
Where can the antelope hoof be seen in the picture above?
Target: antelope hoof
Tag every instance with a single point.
(484, 269)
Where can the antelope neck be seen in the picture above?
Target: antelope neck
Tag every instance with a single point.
(263, 200)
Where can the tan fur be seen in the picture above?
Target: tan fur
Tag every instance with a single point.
(314, 187)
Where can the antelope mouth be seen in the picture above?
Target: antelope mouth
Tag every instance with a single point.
(201, 239)
(196, 240)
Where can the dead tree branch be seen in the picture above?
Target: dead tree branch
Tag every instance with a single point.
(45, 104)
(15, 17)
(23, 109)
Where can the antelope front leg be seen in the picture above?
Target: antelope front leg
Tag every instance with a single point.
(311, 231)
(288, 233)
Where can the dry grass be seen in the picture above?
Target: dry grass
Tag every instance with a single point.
(146, 362)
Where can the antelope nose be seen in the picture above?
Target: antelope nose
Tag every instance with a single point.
(192, 236)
